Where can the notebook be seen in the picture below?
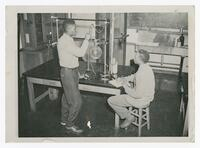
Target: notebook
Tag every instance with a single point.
(115, 83)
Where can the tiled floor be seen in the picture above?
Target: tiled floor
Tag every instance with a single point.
(164, 113)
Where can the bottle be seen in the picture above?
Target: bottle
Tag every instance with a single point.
(182, 38)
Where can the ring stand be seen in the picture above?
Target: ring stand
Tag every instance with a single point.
(98, 29)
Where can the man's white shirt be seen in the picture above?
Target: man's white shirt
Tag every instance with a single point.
(69, 52)
(144, 83)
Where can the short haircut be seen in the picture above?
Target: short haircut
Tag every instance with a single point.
(68, 22)
(144, 55)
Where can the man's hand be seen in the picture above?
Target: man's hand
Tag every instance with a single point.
(123, 81)
(87, 36)
(126, 88)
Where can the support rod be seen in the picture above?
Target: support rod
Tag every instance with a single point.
(111, 43)
(52, 37)
(76, 19)
(57, 29)
(105, 46)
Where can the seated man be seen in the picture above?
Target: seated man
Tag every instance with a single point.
(142, 93)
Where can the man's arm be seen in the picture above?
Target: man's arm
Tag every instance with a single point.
(145, 84)
(125, 80)
(72, 48)
(132, 92)
(78, 51)
(130, 77)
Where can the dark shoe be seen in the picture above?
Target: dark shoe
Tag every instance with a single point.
(127, 122)
(74, 129)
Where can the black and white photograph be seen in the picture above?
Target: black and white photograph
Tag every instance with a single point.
(104, 74)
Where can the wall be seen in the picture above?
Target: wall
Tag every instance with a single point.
(30, 59)
(158, 20)
(157, 33)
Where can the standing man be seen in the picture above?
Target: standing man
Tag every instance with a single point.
(141, 94)
(68, 53)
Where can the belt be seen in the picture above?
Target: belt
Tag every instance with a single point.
(69, 68)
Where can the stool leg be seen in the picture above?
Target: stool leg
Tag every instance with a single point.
(140, 122)
(130, 109)
(148, 118)
(116, 121)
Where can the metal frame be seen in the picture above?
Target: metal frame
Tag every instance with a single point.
(107, 41)
(111, 40)
(76, 19)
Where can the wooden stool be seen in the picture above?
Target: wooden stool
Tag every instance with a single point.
(142, 116)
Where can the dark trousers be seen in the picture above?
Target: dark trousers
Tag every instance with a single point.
(71, 99)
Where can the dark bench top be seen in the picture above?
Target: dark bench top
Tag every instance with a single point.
(50, 70)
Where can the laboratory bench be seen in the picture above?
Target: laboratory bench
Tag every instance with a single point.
(48, 74)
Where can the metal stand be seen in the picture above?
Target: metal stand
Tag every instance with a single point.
(57, 32)
(106, 74)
